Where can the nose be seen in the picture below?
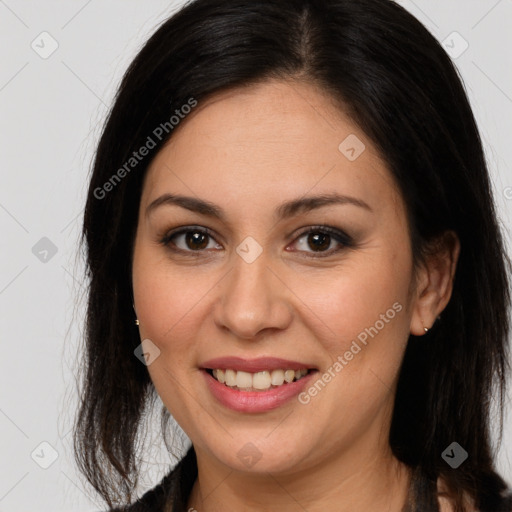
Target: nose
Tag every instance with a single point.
(253, 299)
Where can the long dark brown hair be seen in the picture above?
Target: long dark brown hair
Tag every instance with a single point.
(397, 83)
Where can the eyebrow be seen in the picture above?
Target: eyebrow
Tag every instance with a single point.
(283, 211)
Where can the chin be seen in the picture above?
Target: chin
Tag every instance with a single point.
(255, 454)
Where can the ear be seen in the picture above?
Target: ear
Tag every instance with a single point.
(434, 282)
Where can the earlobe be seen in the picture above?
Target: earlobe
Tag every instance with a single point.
(136, 319)
(435, 282)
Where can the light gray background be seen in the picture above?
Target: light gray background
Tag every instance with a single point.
(51, 110)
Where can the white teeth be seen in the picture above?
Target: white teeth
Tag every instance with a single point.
(259, 381)
(243, 380)
(230, 376)
(277, 377)
(289, 375)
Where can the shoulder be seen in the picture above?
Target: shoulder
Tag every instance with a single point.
(173, 488)
(503, 504)
(154, 499)
(506, 501)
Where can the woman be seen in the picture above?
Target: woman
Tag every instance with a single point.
(291, 240)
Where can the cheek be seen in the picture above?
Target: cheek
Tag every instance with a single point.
(364, 329)
(167, 298)
(358, 301)
(167, 303)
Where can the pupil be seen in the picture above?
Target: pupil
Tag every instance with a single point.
(319, 241)
(195, 239)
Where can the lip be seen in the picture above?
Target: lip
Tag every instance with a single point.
(255, 401)
(253, 365)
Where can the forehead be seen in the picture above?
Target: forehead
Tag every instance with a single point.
(283, 137)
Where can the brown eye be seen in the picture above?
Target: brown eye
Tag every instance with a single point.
(190, 240)
(321, 240)
(196, 240)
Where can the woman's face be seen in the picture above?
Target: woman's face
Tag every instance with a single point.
(250, 273)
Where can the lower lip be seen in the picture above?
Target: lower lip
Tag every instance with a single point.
(255, 401)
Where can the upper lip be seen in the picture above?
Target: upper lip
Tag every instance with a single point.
(253, 365)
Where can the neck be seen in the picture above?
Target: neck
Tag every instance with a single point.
(339, 484)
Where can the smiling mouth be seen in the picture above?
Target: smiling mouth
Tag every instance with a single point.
(258, 381)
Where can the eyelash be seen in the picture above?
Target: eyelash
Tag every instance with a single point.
(339, 236)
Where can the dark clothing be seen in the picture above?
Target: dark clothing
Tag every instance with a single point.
(174, 487)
